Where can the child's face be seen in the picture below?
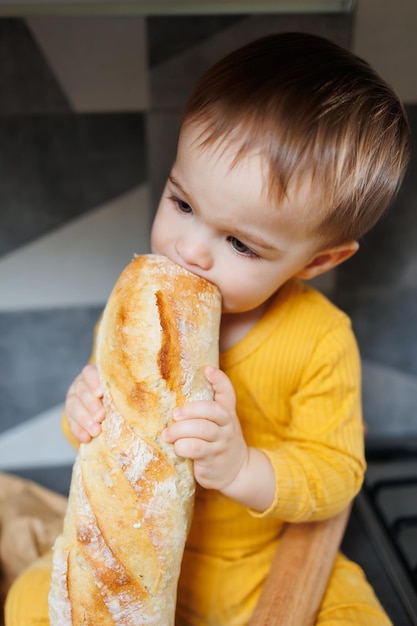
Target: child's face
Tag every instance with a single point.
(216, 221)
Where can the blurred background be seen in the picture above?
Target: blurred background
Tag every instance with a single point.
(89, 107)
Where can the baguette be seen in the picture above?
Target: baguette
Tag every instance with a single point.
(118, 558)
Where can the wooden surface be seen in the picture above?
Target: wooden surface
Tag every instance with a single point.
(295, 586)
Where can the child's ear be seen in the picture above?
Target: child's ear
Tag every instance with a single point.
(328, 259)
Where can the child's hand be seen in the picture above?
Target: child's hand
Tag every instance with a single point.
(209, 433)
(83, 405)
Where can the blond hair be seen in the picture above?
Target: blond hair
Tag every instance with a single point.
(316, 110)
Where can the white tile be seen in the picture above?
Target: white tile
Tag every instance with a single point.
(385, 35)
(37, 443)
(78, 264)
(100, 62)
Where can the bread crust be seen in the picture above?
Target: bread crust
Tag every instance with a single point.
(130, 503)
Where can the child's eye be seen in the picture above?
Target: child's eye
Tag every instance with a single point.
(241, 248)
(183, 206)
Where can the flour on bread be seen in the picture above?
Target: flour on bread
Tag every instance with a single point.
(118, 559)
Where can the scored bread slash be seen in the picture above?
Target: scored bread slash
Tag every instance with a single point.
(118, 559)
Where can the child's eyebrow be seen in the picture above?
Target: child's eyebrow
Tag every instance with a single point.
(252, 239)
(177, 184)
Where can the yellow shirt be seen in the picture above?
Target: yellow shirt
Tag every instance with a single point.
(296, 376)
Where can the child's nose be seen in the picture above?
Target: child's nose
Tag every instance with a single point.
(195, 251)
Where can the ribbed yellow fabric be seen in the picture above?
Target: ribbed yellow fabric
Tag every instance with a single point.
(297, 381)
(27, 601)
(349, 600)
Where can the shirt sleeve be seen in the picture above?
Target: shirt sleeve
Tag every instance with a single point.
(319, 465)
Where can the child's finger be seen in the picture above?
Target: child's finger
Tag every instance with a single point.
(84, 408)
(80, 418)
(201, 429)
(92, 380)
(194, 449)
(82, 393)
(201, 409)
(224, 394)
(80, 434)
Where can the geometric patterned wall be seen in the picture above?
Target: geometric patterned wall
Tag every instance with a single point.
(79, 96)
(88, 120)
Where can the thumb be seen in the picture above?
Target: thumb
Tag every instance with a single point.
(224, 393)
